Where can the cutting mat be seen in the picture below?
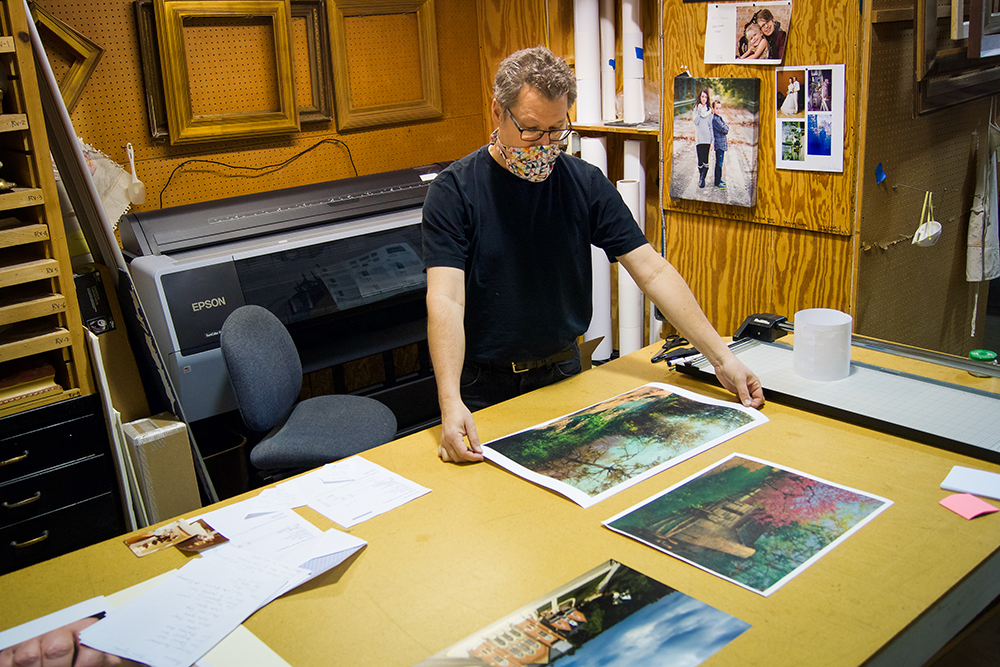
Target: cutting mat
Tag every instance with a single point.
(929, 411)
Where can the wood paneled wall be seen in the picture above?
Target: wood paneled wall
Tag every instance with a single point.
(736, 266)
(112, 111)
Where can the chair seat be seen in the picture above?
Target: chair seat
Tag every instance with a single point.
(324, 429)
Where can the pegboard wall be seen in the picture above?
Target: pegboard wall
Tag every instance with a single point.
(910, 294)
(112, 112)
(373, 41)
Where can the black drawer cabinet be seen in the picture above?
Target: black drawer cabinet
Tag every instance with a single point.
(58, 488)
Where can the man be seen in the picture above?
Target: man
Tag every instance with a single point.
(719, 131)
(776, 37)
(507, 236)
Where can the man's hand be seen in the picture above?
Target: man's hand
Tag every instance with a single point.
(737, 378)
(457, 425)
(59, 648)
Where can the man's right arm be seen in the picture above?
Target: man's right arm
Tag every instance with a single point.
(446, 340)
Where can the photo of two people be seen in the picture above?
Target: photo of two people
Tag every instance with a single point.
(715, 138)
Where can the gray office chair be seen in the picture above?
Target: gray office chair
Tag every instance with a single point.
(266, 376)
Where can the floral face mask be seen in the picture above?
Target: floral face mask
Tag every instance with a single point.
(532, 163)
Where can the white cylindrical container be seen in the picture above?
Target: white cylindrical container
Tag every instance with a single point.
(587, 54)
(822, 346)
(630, 300)
(632, 169)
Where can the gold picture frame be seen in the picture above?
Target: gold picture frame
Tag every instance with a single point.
(185, 126)
(149, 55)
(318, 50)
(351, 114)
(86, 54)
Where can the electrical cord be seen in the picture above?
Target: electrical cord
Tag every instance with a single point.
(266, 169)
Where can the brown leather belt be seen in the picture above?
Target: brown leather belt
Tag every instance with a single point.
(525, 366)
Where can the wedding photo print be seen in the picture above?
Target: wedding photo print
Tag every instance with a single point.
(809, 127)
(715, 137)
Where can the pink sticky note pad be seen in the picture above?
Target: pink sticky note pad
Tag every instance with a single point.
(968, 506)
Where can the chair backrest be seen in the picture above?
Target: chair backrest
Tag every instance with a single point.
(263, 364)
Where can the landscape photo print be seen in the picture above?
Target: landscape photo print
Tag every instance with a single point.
(749, 521)
(596, 452)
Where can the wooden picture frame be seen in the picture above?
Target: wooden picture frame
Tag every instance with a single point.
(86, 54)
(184, 125)
(945, 75)
(352, 115)
(984, 29)
(318, 49)
(959, 26)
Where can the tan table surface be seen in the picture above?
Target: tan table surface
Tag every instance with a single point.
(484, 542)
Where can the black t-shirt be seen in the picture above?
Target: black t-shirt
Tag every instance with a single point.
(525, 250)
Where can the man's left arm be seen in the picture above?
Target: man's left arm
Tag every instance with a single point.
(665, 287)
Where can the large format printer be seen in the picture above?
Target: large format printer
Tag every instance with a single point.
(338, 262)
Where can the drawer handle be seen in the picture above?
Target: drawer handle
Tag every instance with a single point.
(22, 503)
(15, 459)
(41, 538)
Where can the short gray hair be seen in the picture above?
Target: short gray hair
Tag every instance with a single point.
(539, 68)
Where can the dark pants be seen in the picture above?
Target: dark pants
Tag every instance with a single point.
(719, 157)
(484, 384)
(703, 159)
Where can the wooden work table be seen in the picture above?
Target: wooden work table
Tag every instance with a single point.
(485, 542)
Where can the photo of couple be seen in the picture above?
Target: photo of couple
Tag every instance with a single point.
(715, 140)
(792, 98)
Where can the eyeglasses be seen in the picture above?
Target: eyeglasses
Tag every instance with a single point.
(555, 136)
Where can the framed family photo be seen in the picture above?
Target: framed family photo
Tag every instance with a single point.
(715, 136)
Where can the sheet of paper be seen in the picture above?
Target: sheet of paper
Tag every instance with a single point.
(970, 480)
(355, 490)
(274, 499)
(262, 534)
(50, 622)
(178, 621)
(967, 505)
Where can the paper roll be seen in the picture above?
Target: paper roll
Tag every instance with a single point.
(630, 299)
(609, 84)
(633, 101)
(822, 346)
(595, 151)
(587, 54)
(634, 170)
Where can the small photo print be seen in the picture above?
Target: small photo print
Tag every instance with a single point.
(160, 538)
(204, 537)
(820, 134)
(792, 141)
(820, 89)
(790, 93)
(748, 33)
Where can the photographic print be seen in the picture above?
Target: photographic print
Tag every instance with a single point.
(749, 521)
(820, 104)
(820, 132)
(820, 85)
(160, 538)
(716, 124)
(612, 616)
(747, 33)
(596, 452)
(793, 145)
(791, 93)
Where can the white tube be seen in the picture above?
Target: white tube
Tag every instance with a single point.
(595, 151)
(630, 300)
(633, 170)
(633, 104)
(609, 84)
(587, 54)
(655, 326)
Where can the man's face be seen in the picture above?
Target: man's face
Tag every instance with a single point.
(533, 112)
(766, 25)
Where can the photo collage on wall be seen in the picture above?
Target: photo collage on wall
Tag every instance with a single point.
(809, 119)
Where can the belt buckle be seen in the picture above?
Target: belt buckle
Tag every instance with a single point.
(520, 367)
